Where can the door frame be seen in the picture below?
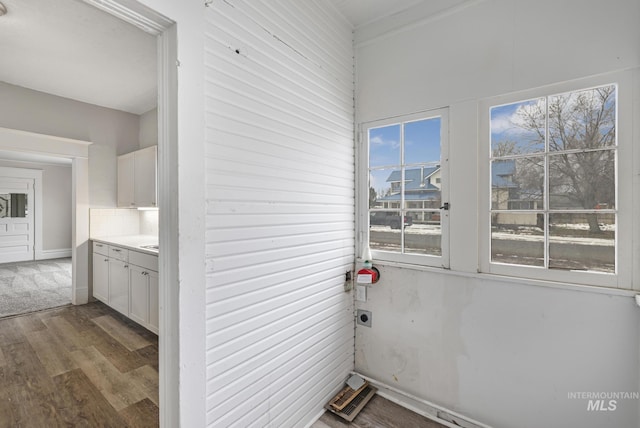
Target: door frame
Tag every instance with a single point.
(78, 152)
(165, 30)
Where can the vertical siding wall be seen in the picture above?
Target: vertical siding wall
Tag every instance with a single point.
(280, 204)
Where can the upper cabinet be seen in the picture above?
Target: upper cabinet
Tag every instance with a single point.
(137, 178)
(126, 179)
(145, 163)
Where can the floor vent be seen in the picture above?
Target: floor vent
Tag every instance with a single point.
(348, 403)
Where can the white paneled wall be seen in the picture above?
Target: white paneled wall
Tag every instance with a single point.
(280, 206)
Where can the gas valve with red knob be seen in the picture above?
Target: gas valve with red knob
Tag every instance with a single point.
(368, 274)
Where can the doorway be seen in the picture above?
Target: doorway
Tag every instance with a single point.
(17, 209)
(164, 30)
(34, 274)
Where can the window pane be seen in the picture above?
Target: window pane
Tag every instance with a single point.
(384, 231)
(517, 238)
(13, 205)
(384, 146)
(423, 236)
(582, 242)
(385, 188)
(518, 128)
(582, 180)
(517, 184)
(422, 187)
(422, 141)
(583, 119)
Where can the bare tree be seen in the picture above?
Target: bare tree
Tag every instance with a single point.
(582, 132)
(373, 197)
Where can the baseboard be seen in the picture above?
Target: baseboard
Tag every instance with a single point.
(53, 254)
(446, 417)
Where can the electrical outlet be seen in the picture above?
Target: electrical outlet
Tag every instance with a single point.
(361, 293)
(364, 318)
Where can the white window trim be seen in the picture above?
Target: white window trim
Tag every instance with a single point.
(624, 169)
(362, 185)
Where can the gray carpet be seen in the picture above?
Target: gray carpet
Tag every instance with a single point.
(35, 285)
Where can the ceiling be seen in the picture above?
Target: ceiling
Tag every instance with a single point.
(71, 49)
(367, 13)
(361, 12)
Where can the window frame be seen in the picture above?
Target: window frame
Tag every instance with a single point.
(622, 278)
(362, 180)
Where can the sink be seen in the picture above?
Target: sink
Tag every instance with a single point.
(150, 247)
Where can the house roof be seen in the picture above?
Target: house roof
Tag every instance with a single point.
(413, 180)
(502, 172)
(414, 177)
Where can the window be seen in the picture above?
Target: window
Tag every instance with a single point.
(553, 181)
(406, 182)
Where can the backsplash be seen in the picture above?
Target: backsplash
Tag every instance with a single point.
(118, 222)
(149, 222)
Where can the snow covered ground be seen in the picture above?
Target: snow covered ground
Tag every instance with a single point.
(525, 235)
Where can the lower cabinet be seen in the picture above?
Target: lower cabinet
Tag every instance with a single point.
(101, 277)
(154, 304)
(139, 294)
(119, 286)
(125, 280)
(143, 297)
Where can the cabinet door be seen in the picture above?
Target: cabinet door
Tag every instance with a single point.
(154, 307)
(139, 295)
(101, 277)
(119, 286)
(126, 180)
(146, 161)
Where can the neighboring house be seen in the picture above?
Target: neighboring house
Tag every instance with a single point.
(422, 191)
(507, 193)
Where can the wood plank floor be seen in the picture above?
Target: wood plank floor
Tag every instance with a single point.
(77, 366)
(378, 413)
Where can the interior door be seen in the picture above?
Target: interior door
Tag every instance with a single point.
(16, 219)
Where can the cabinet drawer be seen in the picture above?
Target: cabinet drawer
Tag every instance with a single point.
(146, 261)
(100, 248)
(118, 253)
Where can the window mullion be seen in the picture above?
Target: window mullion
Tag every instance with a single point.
(547, 179)
(402, 184)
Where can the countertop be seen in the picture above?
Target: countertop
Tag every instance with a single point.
(131, 242)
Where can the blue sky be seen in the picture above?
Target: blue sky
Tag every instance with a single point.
(422, 143)
(506, 126)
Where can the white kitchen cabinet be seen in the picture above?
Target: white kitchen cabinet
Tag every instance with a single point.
(127, 280)
(119, 285)
(154, 304)
(126, 180)
(101, 277)
(143, 297)
(145, 177)
(139, 294)
(137, 178)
